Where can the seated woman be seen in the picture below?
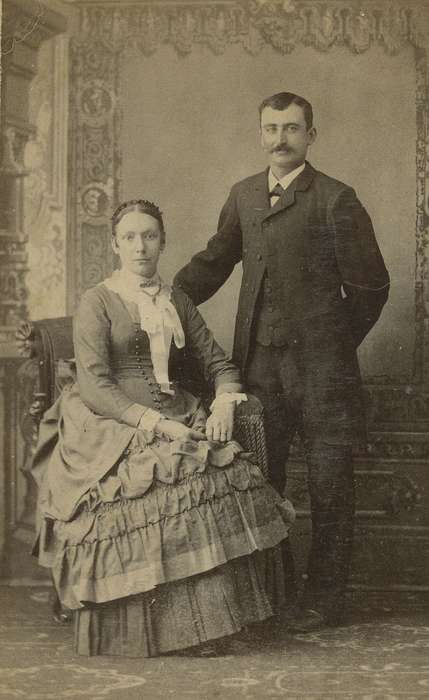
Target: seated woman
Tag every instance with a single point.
(159, 531)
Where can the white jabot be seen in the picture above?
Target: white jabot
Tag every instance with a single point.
(284, 182)
(158, 317)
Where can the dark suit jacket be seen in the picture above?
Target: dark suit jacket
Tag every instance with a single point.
(318, 245)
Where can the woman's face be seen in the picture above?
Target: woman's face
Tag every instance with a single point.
(138, 243)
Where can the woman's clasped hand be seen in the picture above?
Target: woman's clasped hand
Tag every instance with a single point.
(173, 430)
(219, 426)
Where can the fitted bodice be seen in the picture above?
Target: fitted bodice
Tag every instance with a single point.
(131, 367)
(113, 362)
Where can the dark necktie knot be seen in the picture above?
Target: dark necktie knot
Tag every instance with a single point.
(277, 191)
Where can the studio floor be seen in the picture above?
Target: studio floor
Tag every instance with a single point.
(381, 653)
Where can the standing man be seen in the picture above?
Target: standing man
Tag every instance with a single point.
(314, 283)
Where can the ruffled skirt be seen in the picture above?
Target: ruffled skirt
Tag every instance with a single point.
(185, 613)
(180, 543)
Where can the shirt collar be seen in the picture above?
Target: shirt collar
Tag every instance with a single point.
(286, 180)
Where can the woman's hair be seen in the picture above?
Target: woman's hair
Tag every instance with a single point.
(142, 205)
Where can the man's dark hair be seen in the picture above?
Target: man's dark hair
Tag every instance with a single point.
(282, 100)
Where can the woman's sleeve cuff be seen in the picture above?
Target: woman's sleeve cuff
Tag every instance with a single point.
(149, 420)
(133, 414)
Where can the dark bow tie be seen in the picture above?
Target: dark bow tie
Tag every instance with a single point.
(277, 191)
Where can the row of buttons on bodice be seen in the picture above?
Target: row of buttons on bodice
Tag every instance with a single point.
(140, 348)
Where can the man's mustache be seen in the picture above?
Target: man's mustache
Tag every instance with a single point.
(283, 147)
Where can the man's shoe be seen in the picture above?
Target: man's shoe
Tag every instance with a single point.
(305, 621)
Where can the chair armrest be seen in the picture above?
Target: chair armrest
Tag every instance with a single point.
(249, 430)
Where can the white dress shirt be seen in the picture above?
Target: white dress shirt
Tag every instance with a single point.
(284, 182)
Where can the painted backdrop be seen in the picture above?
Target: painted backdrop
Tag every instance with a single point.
(190, 130)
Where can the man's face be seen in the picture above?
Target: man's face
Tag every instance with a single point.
(285, 137)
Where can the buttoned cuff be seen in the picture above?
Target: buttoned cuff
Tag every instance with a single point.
(132, 415)
(149, 420)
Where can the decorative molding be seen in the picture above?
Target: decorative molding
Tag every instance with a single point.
(380, 493)
(10, 452)
(25, 25)
(94, 139)
(421, 352)
(15, 137)
(283, 24)
(28, 418)
(45, 187)
(13, 290)
(4, 473)
(399, 447)
(397, 405)
(60, 109)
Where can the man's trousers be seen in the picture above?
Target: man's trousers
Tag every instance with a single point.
(273, 377)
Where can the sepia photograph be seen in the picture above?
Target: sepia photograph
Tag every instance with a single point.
(214, 349)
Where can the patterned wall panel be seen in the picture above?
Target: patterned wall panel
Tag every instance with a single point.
(94, 128)
(45, 186)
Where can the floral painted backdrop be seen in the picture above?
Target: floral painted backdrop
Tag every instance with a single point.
(45, 201)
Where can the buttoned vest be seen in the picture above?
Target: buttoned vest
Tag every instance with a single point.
(269, 325)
